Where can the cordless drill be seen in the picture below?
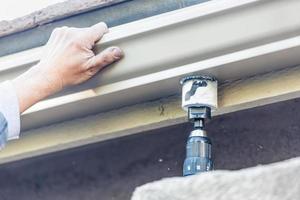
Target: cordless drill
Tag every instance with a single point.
(199, 97)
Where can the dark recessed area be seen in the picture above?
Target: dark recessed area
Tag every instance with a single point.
(112, 169)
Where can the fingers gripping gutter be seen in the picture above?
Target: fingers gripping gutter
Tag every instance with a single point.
(67, 59)
(105, 58)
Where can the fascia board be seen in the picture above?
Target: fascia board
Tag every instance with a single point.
(238, 95)
(228, 39)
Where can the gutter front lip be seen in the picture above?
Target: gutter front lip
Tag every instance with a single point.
(134, 28)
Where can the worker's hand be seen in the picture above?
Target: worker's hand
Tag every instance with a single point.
(67, 60)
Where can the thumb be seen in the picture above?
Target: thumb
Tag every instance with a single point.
(95, 32)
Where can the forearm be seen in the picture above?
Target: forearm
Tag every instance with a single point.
(32, 87)
(68, 59)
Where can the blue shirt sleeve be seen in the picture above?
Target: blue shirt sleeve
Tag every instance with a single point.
(9, 107)
(3, 131)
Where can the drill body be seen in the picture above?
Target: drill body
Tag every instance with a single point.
(198, 147)
(198, 154)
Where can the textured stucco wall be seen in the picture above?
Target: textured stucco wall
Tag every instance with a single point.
(112, 169)
(276, 181)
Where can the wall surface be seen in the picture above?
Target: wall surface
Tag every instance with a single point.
(112, 169)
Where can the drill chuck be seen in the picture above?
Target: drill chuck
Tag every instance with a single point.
(198, 153)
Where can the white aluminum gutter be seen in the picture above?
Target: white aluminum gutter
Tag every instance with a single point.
(229, 39)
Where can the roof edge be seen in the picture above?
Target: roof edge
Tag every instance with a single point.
(52, 13)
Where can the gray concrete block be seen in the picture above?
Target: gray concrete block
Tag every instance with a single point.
(275, 181)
